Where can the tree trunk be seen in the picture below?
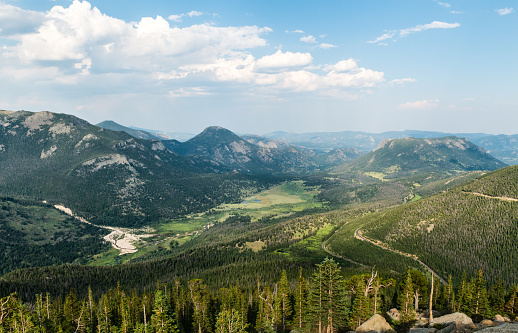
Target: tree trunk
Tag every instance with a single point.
(430, 318)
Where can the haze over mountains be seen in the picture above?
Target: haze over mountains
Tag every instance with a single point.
(503, 147)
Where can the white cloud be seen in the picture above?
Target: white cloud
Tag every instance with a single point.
(280, 60)
(188, 92)
(86, 51)
(308, 39)
(456, 12)
(383, 37)
(433, 25)
(419, 105)
(504, 11)
(417, 28)
(402, 81)
(178, 17)
(16, 21)
(294, 31)
(443, 4)
(326, 46)
(80, 32)
(342, 66)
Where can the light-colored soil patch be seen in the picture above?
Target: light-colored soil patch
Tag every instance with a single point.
(377, 175)
(121, 239)
(255, 246)
(490, 197)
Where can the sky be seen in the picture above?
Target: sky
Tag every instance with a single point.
(264, 66)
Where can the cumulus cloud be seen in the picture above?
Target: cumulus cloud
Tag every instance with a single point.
(178, 17)
(87, 50)
(308, 39)
(295, 31)
(419, 105)
(504, 11)
(417, 28)
(283, 60)
(16, 21)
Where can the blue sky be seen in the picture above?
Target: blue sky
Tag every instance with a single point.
(263, 66)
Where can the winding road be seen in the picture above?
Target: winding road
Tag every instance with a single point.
(339, 256)
(358, 235)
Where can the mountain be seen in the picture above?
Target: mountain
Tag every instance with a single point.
(232, 153)
(398, 157)
(136, 133)
(463, 230)
(110, 178)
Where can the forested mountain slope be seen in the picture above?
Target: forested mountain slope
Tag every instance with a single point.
(403, 157)
(463, 230)
(36, 234)
(106, 177)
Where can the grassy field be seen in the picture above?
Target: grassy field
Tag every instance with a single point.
(280, 201)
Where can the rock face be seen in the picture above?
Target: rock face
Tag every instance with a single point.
(456, 317)
(394, 314)
(376, 323)
(508, 327)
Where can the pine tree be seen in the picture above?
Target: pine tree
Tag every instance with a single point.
(405, 298)
(360, 309)
(284, 307)
(301, 295)
(161, 320)
(327, 298)
(200, 299)
(511, 305)
(464, 296)
(480, 302)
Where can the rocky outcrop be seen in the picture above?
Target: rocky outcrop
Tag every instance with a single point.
(376, 323)
(507, 327)
(393, 314)
(457, 317)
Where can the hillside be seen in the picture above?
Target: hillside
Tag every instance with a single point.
(463, 230)
(107, 177)
(399, 157)
(36, 234)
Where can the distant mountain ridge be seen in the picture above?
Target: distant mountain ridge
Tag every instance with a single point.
(233, 153)
(503, 147)
(139, 134)
(396, 157)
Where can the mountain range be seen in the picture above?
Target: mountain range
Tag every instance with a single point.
(503, 147)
